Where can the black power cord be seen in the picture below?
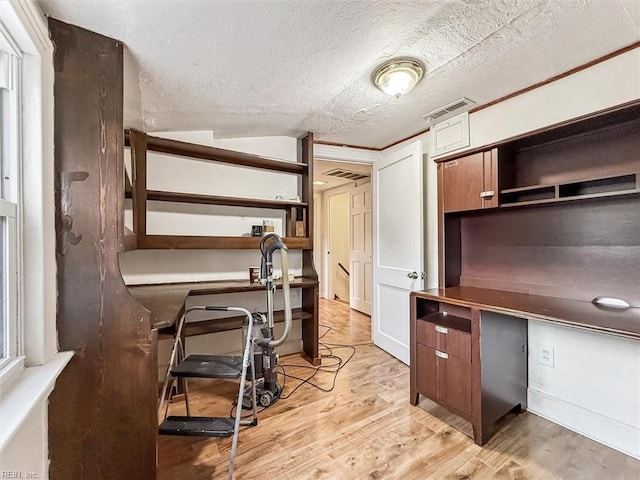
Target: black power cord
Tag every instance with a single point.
(334, 368)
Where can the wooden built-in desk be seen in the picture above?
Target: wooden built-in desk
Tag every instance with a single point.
(166, 302)
(623, 322)
(469, 346)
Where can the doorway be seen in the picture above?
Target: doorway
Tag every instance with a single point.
(343, 203)
(338, 253)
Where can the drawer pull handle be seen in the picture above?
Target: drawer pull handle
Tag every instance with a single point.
(440, 329)
(487, 194)
(441, 354)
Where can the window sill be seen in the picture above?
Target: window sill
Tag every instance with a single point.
(19, 397)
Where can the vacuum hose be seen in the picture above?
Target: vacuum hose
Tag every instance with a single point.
(267, 265)
(287, 301)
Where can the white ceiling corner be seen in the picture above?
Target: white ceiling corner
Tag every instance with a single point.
(265, 68)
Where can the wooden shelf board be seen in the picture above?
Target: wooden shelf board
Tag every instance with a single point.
(233, 286)
(587, 196)
(160, 196)
(214, 154)
(204, 327)
(544, 186)
(528, 188)
(231, 243)
(574, 313)
(166, 301)
(572, 198)
(450, 321)
(601, 177)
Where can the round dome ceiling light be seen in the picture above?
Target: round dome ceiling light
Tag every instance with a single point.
(398, 76)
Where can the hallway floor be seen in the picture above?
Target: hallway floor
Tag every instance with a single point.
(365, 428)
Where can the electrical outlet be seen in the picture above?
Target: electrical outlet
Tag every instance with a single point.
(545, 355)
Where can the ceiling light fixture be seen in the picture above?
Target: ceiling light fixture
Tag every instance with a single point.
(398, 76)
(319, 182)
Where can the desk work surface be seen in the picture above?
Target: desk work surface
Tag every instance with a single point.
(576, 313)
(166, 301)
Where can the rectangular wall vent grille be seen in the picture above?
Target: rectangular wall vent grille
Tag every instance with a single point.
(346, 174)
(448, 110)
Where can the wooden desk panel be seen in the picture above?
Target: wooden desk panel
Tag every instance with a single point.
(574, 313)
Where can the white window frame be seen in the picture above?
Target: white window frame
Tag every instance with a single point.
(12, 341)
(10, 200)
(38, 362)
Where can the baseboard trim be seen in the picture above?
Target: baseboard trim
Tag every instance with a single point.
(600, 428)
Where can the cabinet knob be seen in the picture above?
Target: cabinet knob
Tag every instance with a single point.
(413, 275)
(487, 194)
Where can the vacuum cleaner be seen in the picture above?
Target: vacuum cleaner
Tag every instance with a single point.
(268, 390)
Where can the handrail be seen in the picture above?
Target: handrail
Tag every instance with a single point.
(343, 269)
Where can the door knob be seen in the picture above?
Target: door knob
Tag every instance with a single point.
(413, 275)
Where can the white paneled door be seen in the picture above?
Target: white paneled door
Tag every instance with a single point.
(398, 253)
(360, 251)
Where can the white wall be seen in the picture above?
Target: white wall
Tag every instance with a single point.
(339, 243)
(318, 240)
(132, 102)
(606, 84)
(594, 388)
(28, 450)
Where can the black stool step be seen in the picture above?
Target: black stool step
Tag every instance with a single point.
(209, 366)
(197, 426)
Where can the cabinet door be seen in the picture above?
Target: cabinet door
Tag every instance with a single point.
(489, 192)
(471, 182)
(463, 183)
(457, 384)
(427, 372)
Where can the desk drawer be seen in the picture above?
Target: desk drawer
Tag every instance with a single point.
(426, 334)
(445, 339)
(457, 344)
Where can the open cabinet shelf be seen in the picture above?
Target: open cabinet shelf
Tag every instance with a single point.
(178, 197)
(220, 155)
(298, 214)
(298, 229)
(599, 187)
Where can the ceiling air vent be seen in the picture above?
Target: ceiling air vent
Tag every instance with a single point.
(346, 174)
(449, 110)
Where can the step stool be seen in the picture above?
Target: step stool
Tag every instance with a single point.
(209, 366)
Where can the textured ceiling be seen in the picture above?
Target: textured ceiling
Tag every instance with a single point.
(254, 68)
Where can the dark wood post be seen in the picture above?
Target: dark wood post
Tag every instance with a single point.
(102, 418)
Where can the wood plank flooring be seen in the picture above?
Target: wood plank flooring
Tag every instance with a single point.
(366, 429)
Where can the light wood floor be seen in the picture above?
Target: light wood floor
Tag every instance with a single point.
(366, 429)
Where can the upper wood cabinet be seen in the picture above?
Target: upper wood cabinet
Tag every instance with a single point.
(471, 182)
